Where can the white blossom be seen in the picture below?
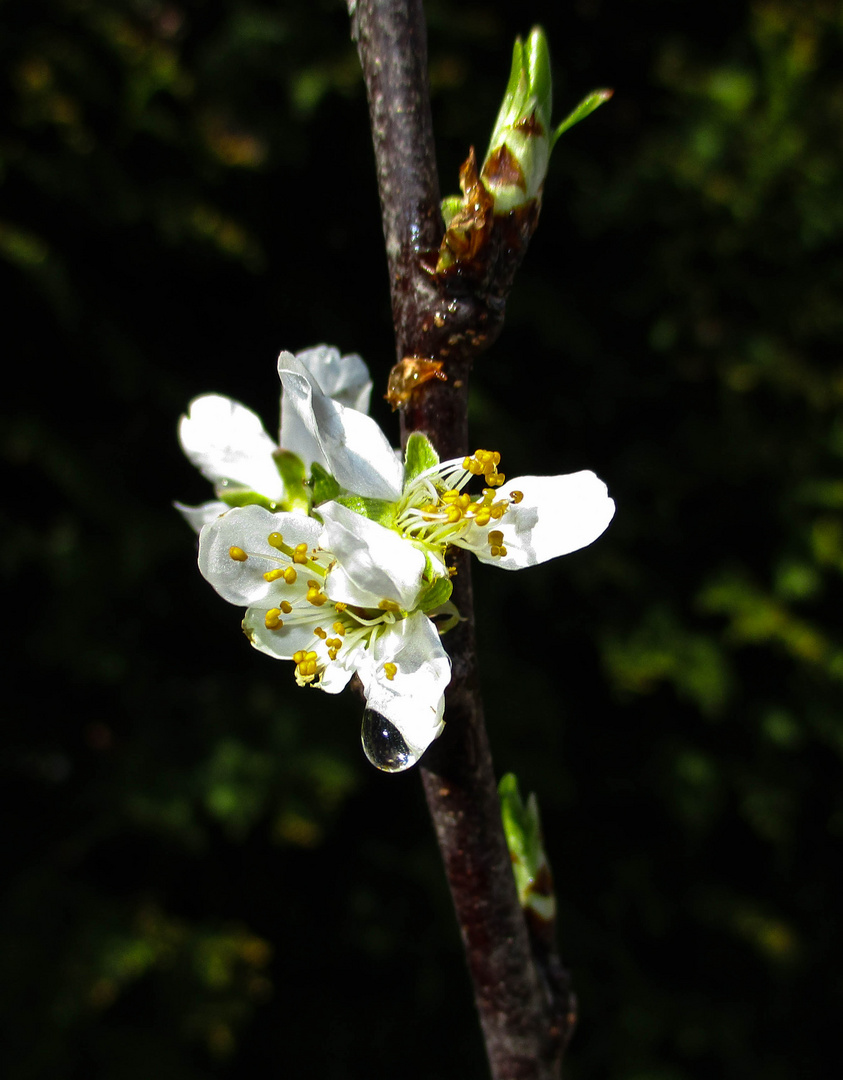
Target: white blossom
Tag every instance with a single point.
(513, 525)
(354, 588)
(335, 616)
(227, 442)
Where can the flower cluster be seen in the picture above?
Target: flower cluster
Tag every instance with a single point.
(342, 566)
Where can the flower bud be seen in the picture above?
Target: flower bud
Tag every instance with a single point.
(533, 879)
(522, 139)
(488, 227)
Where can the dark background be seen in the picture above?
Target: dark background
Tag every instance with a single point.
(204, 877)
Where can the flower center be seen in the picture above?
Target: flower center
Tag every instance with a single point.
(298, 599)
(436, 511)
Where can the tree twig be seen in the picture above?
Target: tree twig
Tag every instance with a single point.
(523, 1001)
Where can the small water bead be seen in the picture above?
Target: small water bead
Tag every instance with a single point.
(384, 745)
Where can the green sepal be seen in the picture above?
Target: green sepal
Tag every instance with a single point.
(291, 468)
(436, 594)
(241, 496)
(380, 510)
(522, 828)
(587, 106)
(323, 486)
(451, 205)
(419, 456)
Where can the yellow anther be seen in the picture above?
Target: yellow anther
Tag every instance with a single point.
(274, 575)
(315, 596)
(275, 539)
(516, 496)
(320, 633)
(286, 607)
(454, 514)
(238, 554)
(483, 516)
(307, 664)
(501, 550)
(464, 501)
(498, 510)
(334, 643)
(388, 605)
(495, 551)
(496, 536)
(299, 656)
(332, 654)
(389, 670)
(450, 496)
(290, 575)
(496, 479)
(300, 553)
(340, 606)
(339, 628)
(272, 619)
(472, 508)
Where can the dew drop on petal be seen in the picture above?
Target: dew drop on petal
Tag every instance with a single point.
(384, 745)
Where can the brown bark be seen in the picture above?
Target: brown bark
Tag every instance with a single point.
(525, 1008)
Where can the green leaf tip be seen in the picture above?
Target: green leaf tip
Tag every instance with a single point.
(451, 206)
(436, 595)
(418, 456)
(322, 485)
(520, 821)
(380, 510)
(523, 832)
(234, 496)
(519, 150)
(292, 471)
(587, 106)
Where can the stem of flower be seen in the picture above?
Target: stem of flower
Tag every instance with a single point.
(526, 1015)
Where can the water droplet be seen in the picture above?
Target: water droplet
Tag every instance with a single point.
(384, 745)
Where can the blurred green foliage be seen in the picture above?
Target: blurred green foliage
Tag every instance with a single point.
(204, 878)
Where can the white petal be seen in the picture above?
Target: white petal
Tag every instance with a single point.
(354, 448)
(280, 643)
(336, 675)
(284, 642)
(227, 441)
(343, 378)
(373, 563)
(248, 527)
(558, 515)
(197, 516)
(414, 699)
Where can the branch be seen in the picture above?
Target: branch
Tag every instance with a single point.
(525, 1008)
